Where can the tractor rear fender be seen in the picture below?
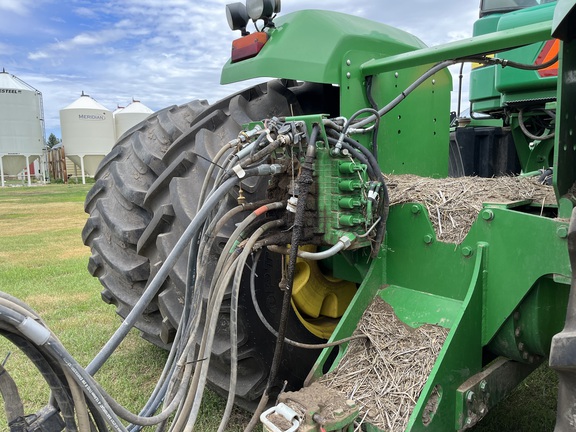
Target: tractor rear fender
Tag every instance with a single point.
(312, 45)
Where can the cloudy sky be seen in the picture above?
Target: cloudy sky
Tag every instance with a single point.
(165, 52)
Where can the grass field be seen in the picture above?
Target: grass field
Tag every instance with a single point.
(43, 262)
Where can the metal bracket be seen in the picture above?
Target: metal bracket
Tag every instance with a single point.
(563, 350)
(481, 392)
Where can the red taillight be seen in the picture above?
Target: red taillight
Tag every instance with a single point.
(248, 46)
(548, 52)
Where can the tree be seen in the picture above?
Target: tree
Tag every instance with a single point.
(53, 140)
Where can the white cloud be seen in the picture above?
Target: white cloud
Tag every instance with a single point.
(171, 51)
(20, 7)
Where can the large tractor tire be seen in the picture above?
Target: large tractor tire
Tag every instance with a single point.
(144, 197)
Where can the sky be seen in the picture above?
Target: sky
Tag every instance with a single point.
(166, 52)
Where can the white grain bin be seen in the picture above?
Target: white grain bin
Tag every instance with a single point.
(21, 125)
(87, 133)
(130, 116)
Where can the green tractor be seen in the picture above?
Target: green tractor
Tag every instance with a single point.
(325, 251)
(291, 256)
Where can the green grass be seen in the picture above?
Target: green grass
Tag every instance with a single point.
(43, 262)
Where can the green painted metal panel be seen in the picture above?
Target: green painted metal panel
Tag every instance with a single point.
(483, 94)
(483, 44)
(416, 308)
(564, 147)
(443, 268)
(310, 45)
(533, 154)
(423, 117)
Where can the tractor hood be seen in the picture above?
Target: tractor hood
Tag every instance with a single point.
(310, 45)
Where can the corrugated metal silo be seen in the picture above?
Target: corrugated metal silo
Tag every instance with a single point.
(21, 125)
(87, 133)
(126, 118)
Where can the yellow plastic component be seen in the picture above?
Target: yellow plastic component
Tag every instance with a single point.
(319, 300)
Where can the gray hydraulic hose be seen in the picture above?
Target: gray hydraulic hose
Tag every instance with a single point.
(41, 336)
(343, 243)
(392, 104)
(159, 278)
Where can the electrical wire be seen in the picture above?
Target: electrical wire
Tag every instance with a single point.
(271, 329)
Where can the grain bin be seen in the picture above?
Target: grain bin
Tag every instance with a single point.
(87, 133)
(21, 125)
(126, 118)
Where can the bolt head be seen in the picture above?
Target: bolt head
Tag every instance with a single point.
(487, 215)
(483, 385)
(348, 62)
(470, 396)
(348, 75)
(467, 251)
(338, 412)
(562, 231)
(428, 239)
(415, 209)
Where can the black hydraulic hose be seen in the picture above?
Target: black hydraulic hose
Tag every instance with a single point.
(304, 181)
(529, 134)
(375, 114)
(151, 421)
(384, 203)
(46, 367)
(332, 139)
(524, 66)
(41, 337)
(159, 278)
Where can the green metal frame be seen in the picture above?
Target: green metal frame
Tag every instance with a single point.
(491, 289)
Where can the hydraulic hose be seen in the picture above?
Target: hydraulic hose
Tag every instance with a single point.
(234, 316)
(225, 266)
(305, 179)
(208, 176)
(529, 134)
(342, 244)
(394, 102)
(271, 329)
(159, 278)
(41, 337)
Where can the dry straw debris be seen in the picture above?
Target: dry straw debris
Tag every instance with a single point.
(386, 372)
(454, 203)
